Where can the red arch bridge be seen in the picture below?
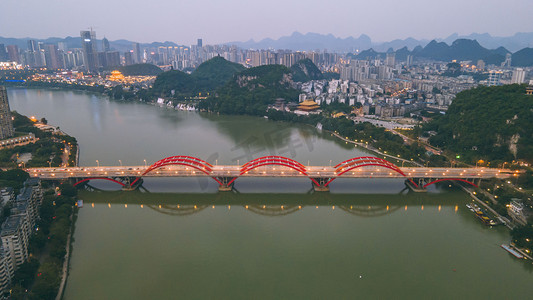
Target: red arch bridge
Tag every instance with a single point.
(130, 177)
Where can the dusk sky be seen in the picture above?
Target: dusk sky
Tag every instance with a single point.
(239, 20)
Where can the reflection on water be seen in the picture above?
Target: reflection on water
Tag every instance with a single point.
(272, 205)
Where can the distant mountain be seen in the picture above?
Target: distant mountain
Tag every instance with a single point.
(309, 41)
(523, 58)
(409, 43)
(513, 43)
(461, 49)
(367, 54)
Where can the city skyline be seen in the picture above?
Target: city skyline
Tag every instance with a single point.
(223, 22)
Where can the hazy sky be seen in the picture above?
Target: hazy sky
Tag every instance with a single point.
(218, 21)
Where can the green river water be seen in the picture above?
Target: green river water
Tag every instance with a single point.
(271, 238)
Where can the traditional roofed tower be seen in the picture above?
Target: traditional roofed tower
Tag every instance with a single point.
(308, 105)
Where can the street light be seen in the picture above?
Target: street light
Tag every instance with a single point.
(120, 162)
(145, 163)
(97, 163)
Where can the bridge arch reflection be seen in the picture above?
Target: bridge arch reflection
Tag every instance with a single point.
(278, 205)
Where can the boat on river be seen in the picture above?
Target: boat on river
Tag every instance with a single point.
(512, 251)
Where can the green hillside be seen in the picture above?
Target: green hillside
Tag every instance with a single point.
(252, 90)
(140, 70)
(209, 76)
(489, 123)
(215, 73)
(305, 70)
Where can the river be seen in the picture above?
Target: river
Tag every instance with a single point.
(271, 238)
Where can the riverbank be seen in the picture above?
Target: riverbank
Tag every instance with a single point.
(66, 262)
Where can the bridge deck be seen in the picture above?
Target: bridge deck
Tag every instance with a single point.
(267, 171)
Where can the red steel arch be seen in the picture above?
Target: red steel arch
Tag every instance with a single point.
(183, 160)
(363, 161)
(446, 179)
(274, 160)
(104, 178)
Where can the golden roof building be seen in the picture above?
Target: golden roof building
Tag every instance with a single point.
(116, 76)
(308, 105)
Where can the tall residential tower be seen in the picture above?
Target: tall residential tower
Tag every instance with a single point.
(6, 124)
(90, 53)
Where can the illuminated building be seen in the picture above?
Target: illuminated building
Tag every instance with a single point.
(116, 76)
(90, 54)
(6, 123)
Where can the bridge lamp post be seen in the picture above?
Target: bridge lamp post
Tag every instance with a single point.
(145, 163)
(120, 162)
(97, 163)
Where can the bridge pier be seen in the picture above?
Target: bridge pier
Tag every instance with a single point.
(225, 184)
(322, 184)
(418, 189)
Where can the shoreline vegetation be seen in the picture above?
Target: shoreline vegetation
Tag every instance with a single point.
(52, 149)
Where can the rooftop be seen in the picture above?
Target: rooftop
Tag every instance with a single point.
(11, 225)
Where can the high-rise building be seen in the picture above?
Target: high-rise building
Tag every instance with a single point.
(13, 53)
(105, 44)
(480, 65)
(391, 59)
(128, 58)
(90, 54)
(62, 46)
(53, 59)
(494, 78)
(6, 123)
(137, 57)
(409, 60)
(519, 76)
(507, 61)
(3, 53)
(199, 43)
(32, 45)
(113, 58)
